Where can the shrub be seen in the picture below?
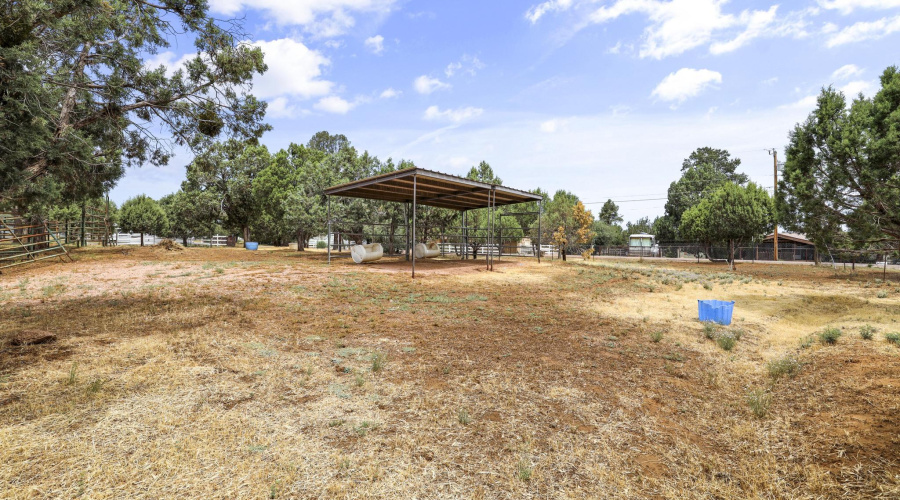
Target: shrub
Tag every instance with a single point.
(709, 330)
(656, 336)
(830, 335)
(882, 294)
(378, 360)
(524, 470)
(464, 417)
(893, 338)
(321, 244)
(759, 400)
(707, 286)
(867, 332)
(786, 366)
(726, 341)
(738, 333)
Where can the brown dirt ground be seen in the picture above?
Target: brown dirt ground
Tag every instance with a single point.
(225, 373)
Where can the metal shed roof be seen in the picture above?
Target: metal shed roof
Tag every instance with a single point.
(432, 188)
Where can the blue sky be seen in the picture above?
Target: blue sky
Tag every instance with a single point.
(603, 98)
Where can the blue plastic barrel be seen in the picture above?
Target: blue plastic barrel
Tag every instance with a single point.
(718, 311)
(251, 245)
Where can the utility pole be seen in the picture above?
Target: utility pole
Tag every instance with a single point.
(774, 154)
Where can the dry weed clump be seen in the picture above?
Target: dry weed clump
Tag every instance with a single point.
(170, 245)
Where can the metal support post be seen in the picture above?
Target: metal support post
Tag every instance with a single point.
(414, 228)
(328, 222)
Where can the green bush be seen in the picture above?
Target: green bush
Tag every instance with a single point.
(709, 330)
(656, 336)
(786, 366)
(321, 244)
(759, 401)
(726, 341)
(893, 338)
(867, 332)
(882, 295)
(830, 335)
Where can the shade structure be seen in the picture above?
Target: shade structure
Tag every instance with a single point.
(418, 186)
(433, 189)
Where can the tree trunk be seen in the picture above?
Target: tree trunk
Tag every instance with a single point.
(562, 252)
(731, 261)
(184, 240)
(246, 231)
(142, 239)
(300, 242)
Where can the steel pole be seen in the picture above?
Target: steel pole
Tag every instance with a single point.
(414, 228)
(328, 223)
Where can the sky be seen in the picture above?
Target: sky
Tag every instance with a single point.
(602, 98)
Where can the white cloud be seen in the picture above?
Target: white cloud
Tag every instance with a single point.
(281, 107)
(852, 89)
(865, 31)
(466, 64)
(685, 83)
(458, 115)
(335, 104)
(375, 44)
(390, 93)
(551, 126)
(676, 26)
(757, 24)
(847, 6)
(846, 72)
(323, 18)
(168, 59)
(294, 70)
(426, 84)
(536, 12)
(806, 104)
(770, 81)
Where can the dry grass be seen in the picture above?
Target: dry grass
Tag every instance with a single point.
(225, 373)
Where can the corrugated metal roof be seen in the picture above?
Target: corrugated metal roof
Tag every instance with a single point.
(432, 188)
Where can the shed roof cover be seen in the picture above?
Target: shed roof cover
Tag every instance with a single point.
(432, 188)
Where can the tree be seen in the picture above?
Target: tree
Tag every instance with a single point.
(79, 101)
(190, 214)
(841, 167)
(227, 170)
(478, 220)
(731, 214)
(607, 235)
(701, 173)
(142, 214)
(328, 143)
(289, 170)
(609, 214)
(641, 225)
(574, 229)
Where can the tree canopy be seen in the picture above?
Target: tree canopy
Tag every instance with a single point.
(142, 214)
(731, 214)
(703, 172)
(79, 101)
(842, 167)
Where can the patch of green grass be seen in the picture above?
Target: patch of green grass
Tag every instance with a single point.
(893, 338)
(710, 330)
(807, 342)
(726, 341)
(464, 417)
(707, 285)
(867, 332)
(788, 366)
(336, 423)
(95, 386)
(673, 356)
(830, 335)
(378, 361)
(759, 400)
(440, 299)
(656, 336)
(364, 427)
(476, 297)
(73, 374)
(524, 470)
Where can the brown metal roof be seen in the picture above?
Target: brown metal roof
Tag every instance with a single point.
(432, 188)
